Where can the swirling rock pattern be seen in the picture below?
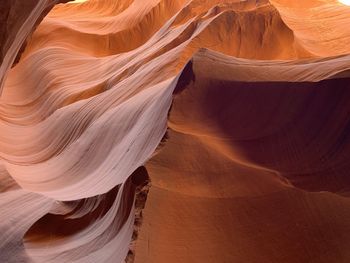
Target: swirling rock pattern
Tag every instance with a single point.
(18, 19)
(230, 117)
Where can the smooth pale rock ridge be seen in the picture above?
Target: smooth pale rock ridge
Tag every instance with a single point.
(230, 117)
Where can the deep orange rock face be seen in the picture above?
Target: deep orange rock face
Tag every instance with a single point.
(175, 131)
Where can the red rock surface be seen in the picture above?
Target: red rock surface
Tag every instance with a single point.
(231, 118)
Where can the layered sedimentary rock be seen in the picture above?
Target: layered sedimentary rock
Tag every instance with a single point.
(230, 117)
(249, 166)
(17, 22)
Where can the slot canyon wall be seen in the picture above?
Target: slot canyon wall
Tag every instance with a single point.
(155, 131)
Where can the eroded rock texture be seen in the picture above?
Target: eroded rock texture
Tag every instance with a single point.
(175, 131)
(18, 19)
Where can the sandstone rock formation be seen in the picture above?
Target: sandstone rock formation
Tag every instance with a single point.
(18, 20)
(175, 131)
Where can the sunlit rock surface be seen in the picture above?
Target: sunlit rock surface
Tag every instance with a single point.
(175, 131)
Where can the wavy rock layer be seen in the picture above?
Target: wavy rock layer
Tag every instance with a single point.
(249, 165)
(237, 111)
(18, 20)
